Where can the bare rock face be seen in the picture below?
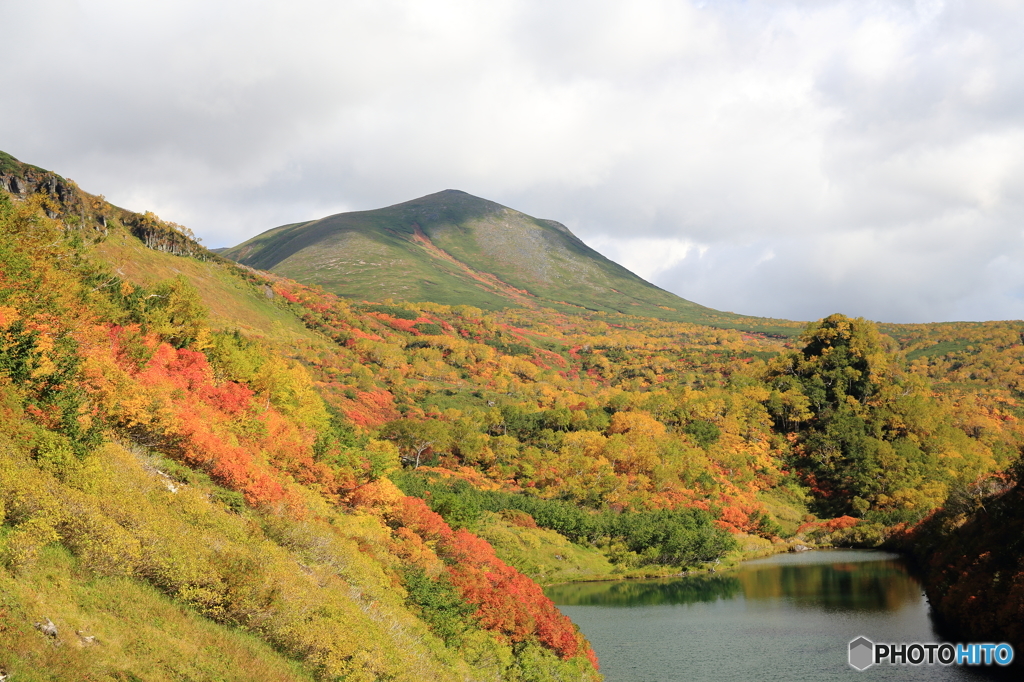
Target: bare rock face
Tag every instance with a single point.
(23, 180)
(31, 180)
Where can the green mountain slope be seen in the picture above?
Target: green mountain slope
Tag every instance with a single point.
(454, 248)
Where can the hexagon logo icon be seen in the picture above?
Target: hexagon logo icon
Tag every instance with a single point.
(862, 653)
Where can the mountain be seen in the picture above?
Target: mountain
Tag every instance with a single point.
(454, 248)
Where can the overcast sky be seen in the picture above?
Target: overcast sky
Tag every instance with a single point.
(788, 159)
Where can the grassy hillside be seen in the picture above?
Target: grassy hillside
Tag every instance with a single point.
(131, 600)
(456, 249)
(232, 301)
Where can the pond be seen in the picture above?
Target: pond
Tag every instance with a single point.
(787, 617)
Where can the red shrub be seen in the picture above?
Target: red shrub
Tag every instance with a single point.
(507, 601)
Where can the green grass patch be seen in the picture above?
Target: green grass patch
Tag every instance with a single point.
(543, 555)
(787, 505)
(939, 349)
(232, 302)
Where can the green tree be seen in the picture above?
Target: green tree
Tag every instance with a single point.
(416, 438)
(866, 431)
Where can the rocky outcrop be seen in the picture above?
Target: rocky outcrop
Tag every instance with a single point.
(163, 236)
(971, 556)
(49, 629)
(63, 200)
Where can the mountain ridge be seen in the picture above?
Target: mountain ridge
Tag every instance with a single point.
(451, 247)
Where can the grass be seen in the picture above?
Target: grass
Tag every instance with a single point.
(787, 505)
(9, 164)
(938, 350)
(369, 266)
(149, 563)
(233, 303)
(140, 633)
(550, 559)
(543, 555)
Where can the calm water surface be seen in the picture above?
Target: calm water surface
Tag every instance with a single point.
(787, 617)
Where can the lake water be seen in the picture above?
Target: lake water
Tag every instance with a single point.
(787, 617)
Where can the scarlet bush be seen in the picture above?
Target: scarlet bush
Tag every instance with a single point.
(506, 601)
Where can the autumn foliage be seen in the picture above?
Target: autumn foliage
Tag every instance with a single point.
(507, 602)
(655, 442)
(970, 556)
(110, 389)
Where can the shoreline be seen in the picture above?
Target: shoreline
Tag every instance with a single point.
(729, 562)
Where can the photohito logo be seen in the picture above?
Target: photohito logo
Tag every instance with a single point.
(864, 653)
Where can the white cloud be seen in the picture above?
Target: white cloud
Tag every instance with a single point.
(645, 256)
(841, 155)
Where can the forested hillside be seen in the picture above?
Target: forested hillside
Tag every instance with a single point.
(971, 554)
(312, 486)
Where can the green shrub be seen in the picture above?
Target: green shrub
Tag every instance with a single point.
(393, 311)
(439, 603)
(429, 329)
(674, 537)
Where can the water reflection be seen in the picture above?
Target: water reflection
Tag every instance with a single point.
(850, 586)
(647, 592)
(857, 581)
(792, 615)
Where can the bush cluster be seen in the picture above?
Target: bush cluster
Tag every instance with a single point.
(675, 537)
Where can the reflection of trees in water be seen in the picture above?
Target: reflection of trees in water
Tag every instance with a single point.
(646, 592)
(867, 586)
(860, 586)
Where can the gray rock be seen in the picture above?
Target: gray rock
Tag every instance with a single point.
(47, 628)
(87, 640)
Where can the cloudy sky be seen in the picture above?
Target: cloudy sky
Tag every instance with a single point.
(787, 159)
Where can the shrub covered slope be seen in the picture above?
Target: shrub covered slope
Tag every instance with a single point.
(155, 470)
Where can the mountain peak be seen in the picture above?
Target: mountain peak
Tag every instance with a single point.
(454, 248)
(449, 204)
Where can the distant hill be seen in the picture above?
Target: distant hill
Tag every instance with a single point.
(455, 248)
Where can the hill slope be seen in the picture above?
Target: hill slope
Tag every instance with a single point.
(126, 427)
(454, 248)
